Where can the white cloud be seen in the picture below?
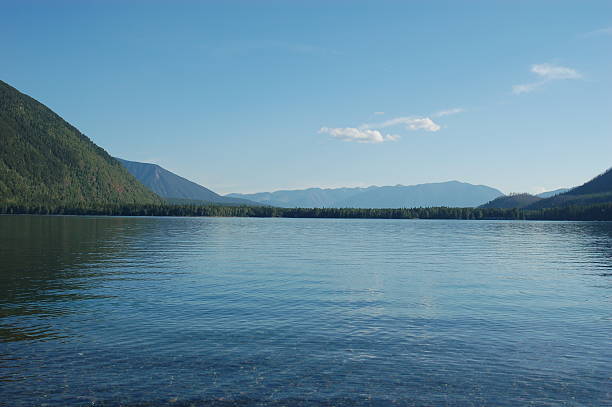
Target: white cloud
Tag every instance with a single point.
(449, 112)
(411, 123)
(547, 73)
(358, 135)
(526, 88)
(553, 72)
(598, 33)
(379, 113)
(371, 133)
(424, 123)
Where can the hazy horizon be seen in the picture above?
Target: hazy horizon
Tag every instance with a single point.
(363, 186)
(246, 97)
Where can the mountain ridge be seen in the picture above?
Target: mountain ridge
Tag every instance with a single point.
(44, 160)
(512, 201)
(448, 193)
(173, 187)
(548, 194)
(596, 190)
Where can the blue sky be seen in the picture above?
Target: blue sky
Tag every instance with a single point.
(247, 96)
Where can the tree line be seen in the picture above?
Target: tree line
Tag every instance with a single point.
(597, 212)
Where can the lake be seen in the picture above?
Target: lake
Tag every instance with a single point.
(111, 311)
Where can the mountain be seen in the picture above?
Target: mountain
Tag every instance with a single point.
(46, 161)
(451, 193)
(512, 201)
(600, 184)
(548, 194)
(176, 188)
(521, 200)
(303, 198)
(597, 190)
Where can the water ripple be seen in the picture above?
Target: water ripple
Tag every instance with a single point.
(297, 312)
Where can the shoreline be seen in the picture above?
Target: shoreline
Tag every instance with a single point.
(597, 212)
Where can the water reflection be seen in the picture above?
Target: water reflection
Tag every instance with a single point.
(46, 261)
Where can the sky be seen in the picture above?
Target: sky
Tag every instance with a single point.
(250, 96)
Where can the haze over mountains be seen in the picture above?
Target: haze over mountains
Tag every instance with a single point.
(46, 162)
(302, 198)
(174, 187)
(451, 193)
(549, 194)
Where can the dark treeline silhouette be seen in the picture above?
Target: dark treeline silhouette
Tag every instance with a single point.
(599, 212)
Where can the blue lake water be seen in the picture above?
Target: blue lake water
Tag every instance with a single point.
(103, 311)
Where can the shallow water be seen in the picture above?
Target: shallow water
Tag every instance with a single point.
(229, 311)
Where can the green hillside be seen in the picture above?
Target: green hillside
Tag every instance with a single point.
(596, 191)
(46, 161)
(600, 184)
(512, 201)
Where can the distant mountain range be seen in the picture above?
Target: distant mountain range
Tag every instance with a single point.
(176, 188)
(45, 162)
(303, 198)
(451, 193)
(548, 194)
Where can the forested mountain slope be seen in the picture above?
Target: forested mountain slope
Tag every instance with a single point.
(600, 184)
(598, 190)
(512, 201)
(46, 161)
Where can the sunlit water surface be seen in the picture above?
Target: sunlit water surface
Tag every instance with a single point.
(297, 312)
